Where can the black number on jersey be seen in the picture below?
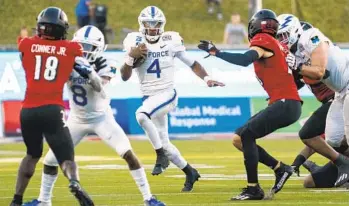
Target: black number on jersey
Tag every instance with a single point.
(51, 66)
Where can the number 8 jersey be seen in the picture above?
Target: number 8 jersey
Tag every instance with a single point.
(87, 105)
(156, 74)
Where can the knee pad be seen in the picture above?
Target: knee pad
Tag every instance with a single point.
(50, 170)
(247, 133)
(141, 117)
(50, 160)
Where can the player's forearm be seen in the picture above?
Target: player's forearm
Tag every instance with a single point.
(199, 70)
(244, 59)
(126, 72)
(314, 72)
(95, 81)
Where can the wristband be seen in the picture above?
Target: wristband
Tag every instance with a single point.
(129, 60)
(207, 78)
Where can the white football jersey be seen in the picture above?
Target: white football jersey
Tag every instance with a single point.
(156, 74)
(338, 62)
(87, 105)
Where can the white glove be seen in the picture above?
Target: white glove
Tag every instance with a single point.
(292, 62)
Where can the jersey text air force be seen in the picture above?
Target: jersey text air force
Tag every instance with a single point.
(156, 74)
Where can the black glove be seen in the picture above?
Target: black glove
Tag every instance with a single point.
(100, 63)
(208, 46)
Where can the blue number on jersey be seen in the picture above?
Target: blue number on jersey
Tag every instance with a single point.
(79, 95)
(155, 70)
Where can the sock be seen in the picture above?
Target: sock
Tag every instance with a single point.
(142, 182)
(175, 156)
(300, 159)
(187, 169)
(266, 158)
(250, 151)
(341, 159)
(151, 131)
(47, 184)
(17, 199)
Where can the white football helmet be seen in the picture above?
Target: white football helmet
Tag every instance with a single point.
(91, 40)
(290, 29)
(151, 23)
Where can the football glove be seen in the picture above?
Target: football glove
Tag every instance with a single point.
(208, 46)
(100, 63)
(292, 62)
(82, 66)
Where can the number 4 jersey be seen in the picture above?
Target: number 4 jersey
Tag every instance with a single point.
(156, 74)
(86, 104)
(47, 65)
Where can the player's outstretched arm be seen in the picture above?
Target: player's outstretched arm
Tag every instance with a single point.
(198, 69)
(244, 59)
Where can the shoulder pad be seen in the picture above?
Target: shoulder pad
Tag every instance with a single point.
(311, 38)
(171, 36)
(132, 39)
(263, 41)
(22, 43)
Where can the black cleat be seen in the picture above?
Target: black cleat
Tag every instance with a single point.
(250, 193)
(190, 180)
(161, 164)
(80, 194)
(281, 176)
(342, 164)
(311, 166)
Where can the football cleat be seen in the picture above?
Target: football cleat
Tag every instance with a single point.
(343, 172)
(80, 194)
(190, 180)
(36, 202)
(311, 166)
(161, 164)
(250, 193)
(281, 176)
(153, 202)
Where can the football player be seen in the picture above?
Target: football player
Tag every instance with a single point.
(48, 59)
(314, 56)
(91, 113)
(268, 58)
(151, 52)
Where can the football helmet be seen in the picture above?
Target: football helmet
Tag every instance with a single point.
(151, 23)
(290, 29)
(92, 42)
(264, 21)
(52, 24)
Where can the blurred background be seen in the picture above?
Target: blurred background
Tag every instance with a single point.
(201, 110)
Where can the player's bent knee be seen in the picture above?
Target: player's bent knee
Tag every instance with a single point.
(308, 182)
(142, 117)
(237, 142)
(131, 160)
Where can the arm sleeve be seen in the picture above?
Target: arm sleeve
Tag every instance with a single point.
(244, 59)
(183, 56)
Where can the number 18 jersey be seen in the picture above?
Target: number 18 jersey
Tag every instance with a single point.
(156, 74)
(47, 65)
(87, 105)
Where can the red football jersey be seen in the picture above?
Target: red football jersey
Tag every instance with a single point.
(273, 72)
(47, 65)
(320, 90)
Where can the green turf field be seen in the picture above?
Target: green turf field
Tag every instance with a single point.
(221, 167)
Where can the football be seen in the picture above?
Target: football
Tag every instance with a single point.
(138, 62)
